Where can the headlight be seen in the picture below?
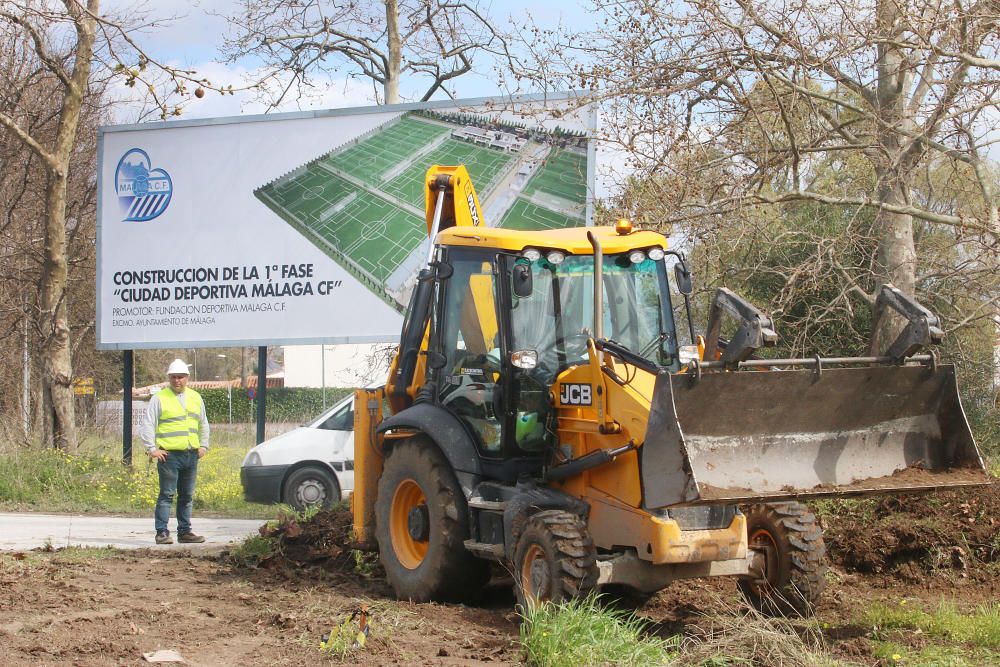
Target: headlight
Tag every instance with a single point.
(531, 254)
(637, 257)
(252, 459)
(556, 256)
(687, 354)
(526, 359)
(656, 254)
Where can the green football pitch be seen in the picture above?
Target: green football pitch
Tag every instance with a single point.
(563, 174)
(346, 222)
(525, 216)
(374, 234)
(355, 202)
(307, 196)
(484, 164)
(380, 152)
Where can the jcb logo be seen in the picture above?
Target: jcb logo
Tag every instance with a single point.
(473, 211)
(575, 394)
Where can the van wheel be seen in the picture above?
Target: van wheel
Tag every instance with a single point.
(311, 487)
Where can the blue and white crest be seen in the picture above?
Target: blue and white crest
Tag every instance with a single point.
(143, 192)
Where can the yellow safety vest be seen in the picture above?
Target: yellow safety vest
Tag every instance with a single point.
(178, 426)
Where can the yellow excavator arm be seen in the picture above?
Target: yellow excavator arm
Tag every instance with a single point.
(452, 187)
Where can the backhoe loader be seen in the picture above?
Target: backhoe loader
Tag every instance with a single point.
(542, 413)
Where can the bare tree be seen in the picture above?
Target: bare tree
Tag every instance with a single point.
(73, 70)
(29, 91)
(772, 95)
(61, 57)
(383, 41)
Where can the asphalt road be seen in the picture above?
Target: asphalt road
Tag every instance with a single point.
(22, 532)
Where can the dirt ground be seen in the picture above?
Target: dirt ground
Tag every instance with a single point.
(65, 608)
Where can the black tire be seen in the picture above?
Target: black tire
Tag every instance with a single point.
(795, 571)
(309, 486)
(438, 567)
(555, 559)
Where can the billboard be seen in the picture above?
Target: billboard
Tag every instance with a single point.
(309, 227)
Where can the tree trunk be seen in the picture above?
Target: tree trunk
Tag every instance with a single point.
(395, 52)
(897, 257)
(57, 364)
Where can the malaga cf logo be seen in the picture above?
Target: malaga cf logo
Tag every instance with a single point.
(143, 192)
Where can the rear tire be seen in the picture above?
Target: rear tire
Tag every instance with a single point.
(555, 559)
(421, 524)
(310, 486)
(795, 570)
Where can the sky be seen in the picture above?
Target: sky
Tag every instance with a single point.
(191, 37)
(193, 30)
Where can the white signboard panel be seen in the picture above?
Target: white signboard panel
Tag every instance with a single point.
(309, 227)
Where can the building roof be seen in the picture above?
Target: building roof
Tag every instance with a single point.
(275, 380)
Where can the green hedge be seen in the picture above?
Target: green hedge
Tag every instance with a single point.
(286, 404)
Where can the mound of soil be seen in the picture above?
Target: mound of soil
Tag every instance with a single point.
(911, 536)
(324, 539)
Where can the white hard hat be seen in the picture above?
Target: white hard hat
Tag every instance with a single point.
(177, 367)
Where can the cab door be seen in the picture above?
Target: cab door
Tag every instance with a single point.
(467, 336)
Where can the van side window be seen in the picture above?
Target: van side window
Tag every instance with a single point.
(341, 420)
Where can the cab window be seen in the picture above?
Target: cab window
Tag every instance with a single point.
(469, 340)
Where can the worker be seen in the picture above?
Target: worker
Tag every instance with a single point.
(175, 432)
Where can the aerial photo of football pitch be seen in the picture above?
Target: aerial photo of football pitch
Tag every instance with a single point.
(362, 203)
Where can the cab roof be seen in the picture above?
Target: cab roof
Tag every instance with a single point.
(571, 240)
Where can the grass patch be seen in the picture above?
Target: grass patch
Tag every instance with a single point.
(732, 636)
(892, 653)
(251, 551)
(583, 632)
(980, 628)
(288, 513)
(343, 640)
(856, 508)
(84, 554)
(23, 563)
(94, 480)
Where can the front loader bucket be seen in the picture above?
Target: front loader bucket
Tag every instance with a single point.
(749, 436)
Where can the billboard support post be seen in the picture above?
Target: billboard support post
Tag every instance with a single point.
(261, 391)
(127, 363)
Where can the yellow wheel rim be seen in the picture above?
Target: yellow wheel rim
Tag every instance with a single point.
(535, 576)
(409, 551)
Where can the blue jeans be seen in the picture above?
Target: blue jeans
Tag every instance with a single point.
(177, 477)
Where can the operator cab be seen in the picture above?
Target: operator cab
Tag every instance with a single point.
(509, 320)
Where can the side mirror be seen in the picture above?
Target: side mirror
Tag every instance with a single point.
(683, 279)
(522, 280)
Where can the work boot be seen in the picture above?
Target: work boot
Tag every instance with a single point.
(189, 538)
(163, 537)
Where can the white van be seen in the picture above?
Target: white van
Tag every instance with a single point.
(310, 465)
